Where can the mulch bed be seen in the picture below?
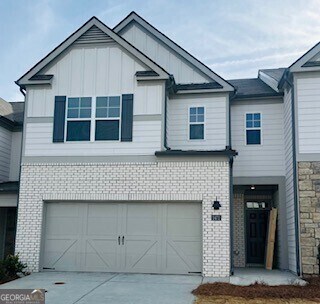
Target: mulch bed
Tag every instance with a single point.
(311, 291)
(6, 280)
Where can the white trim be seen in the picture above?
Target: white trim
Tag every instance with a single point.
(197, 123)
(253, 128)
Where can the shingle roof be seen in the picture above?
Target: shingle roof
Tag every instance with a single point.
(12, 111)
(18, 111)
(198, 86)
(276, 74)
(254, 87)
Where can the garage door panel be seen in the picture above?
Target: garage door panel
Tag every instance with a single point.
(176, 260)
(142, 256)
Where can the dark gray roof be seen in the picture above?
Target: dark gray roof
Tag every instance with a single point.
(276, 74)
(9, 187)
(254, 87)
(18, 111)
(41, 77)
(198, 86)
(146, 73)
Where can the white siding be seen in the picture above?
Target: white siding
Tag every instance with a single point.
(8, 200)
(266, 159)
(15, 156)
(163, 55)
(146, 140)
(94, 71)
(5, 151)
(289, 181)
(215, 125)
(308, 103)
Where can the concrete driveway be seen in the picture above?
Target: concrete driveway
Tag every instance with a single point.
(102, 288)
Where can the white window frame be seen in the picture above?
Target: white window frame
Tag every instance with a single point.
(253, 128)
(92, 120)
(197, 123)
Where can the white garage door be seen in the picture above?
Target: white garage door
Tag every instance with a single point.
(123, 237)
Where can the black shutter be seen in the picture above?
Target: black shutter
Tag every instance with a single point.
(127, 117)
(59, 118)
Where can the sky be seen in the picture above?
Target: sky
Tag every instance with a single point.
(235, 38)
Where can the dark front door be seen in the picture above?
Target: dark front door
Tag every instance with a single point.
(257, 223)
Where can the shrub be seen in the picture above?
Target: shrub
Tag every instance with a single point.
(11, 266)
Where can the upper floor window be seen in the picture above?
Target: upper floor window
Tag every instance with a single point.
(196, 122)
(253, 128)
(93, 119)
(79, 118)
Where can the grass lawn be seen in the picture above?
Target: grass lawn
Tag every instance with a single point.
(225, 293)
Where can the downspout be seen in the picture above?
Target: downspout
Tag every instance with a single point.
(169, 85)
(231, 189)
(295, 182)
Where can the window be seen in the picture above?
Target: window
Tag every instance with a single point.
(107, 125)
(253, 128)
(196, 123)
(79, 119)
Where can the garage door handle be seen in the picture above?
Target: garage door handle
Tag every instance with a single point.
(123, 240)
(119, 240)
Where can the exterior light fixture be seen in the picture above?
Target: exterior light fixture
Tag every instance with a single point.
(216, 204)
(253, 187)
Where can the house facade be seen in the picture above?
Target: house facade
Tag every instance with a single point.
(136, 157)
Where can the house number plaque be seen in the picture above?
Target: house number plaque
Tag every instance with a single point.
(215, 217)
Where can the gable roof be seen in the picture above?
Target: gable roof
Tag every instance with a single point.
(305, 62)
(11, 114)
(252, 88)
(134, 17)
(31, 76)
(276, 74)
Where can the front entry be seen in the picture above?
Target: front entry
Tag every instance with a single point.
(257, 215)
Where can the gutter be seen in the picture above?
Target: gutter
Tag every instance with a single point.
(295, 182)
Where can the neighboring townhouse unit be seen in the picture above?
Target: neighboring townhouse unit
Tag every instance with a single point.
(11, 118)
(137, 157)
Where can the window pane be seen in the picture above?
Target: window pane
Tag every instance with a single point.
(201, 110)
(102, 102)
(73, 102)
(257, 124)
(73, 113)
(201, 118)
(107, 130)
(257, 116)
(193, 118)
(102, 112)
(249, 116)
(78, 130)
(114, 112)
(85, 102)
(253, 137)
(85, 113)
(197, 131)
(193, 110)
(114, 101)
(249, 124)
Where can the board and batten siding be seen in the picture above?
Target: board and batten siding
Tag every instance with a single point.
(5, 153)
(155, 49)
(215, 122)
(289, 181)
(266, 159)
(308, 112)
(106, 70)
(89, 71)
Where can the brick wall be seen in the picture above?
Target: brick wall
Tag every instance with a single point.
(167, 181)
(239, 230)
(309, 198)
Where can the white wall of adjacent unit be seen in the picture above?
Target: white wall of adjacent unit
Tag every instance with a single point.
(5, 151)
(106, 70)
(95, 70)
(266, 159)
(167, 58)
(289, 181)
(15, 156)
(215, 122)
(308, 111)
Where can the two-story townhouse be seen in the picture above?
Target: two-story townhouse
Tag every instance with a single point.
(11, 118)
(137, 157)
